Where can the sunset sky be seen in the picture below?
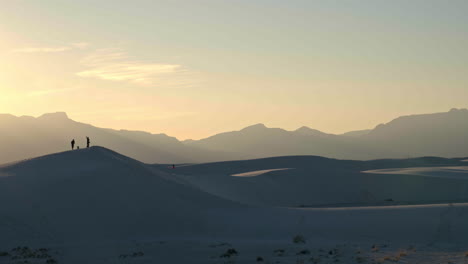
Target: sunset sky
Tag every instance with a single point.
(191, 69)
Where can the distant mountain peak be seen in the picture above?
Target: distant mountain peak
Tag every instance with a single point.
(258, 126)
(55, 116)
(357, 133)
(454, 110)
(305, 130)
(7, 116)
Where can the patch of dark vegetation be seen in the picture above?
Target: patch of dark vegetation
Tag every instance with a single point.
(26, 253)
(259, 259)
(229, 253)
(132, 255)
(51, 261)
(22, 262)
(303, 252)
(299, 239)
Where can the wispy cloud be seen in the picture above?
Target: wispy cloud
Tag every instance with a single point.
(42, 50)
(117, 65)
(151, 117)
(49, 91)
(138, 113)
(80, 45)
(77, 45)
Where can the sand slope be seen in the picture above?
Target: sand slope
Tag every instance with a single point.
(100, 200)
(96, 193)
(317, 181)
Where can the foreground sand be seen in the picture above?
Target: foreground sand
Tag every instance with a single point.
(97, 206)
(202, 251)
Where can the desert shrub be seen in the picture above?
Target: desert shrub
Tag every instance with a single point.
(43, 256)
(133, 255)
(259, 259)
(304, 252)
(391, 258)
(232, 251)
(138, 254)
(51, 261)
(298, 239)
(4, 254)
(229, 253)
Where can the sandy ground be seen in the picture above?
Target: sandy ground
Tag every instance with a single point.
(97, 206)
(455, 172)
(203, 251)
(258, 173)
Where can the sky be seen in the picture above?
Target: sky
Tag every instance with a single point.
(195, 68)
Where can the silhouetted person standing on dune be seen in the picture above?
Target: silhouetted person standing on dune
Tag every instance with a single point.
(87, 142)
(73, 144)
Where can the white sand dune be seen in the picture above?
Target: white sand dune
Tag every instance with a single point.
(317, 181)
(100, 200)
(97, 193)
(257, 173)
(458, 172)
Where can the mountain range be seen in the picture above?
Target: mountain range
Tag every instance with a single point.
(438, 134)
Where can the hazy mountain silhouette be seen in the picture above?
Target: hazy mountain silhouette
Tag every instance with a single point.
(440, 134)
(27, 137)
(307, 131)
(260, 141)
(357, 133)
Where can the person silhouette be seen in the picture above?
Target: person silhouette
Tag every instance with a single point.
(73, 144)
(87, 142)
(173, 166)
